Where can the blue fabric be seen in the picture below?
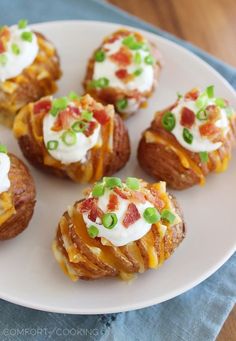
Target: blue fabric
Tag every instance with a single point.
(196, 315)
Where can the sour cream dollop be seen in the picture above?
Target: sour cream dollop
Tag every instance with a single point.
(14, 63)
(5, 165)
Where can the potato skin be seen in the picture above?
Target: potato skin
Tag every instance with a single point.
(23, 195)
(113, 162)
(91, 266)
(29, 86)
(164, 164)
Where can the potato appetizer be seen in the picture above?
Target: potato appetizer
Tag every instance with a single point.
(17, 195)
(74, 137)
(29, 67)
(118, 229)
(190, 139)
(123, 71)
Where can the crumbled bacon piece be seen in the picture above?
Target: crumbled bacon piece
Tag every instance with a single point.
(4, 37)
(209, 129)
(123, 57)
(137, 197)
(62, 120)
(90, 129)
(113, 203)
(74, 111)
(2, 47)
(42, 106)
(138, 36)
(192, 94)
(187, 117)
(95, 213)
(153, 197)
(86, 205)
(121, 73)
(213, 113)
(131, 215)
(121, 194)
(101, 116)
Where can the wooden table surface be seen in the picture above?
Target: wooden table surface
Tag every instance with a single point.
(213, 29)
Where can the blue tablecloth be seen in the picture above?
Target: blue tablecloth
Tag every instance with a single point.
(197, 315)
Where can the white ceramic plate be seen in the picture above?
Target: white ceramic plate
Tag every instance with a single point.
(29, 274)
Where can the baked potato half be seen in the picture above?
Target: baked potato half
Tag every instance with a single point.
(119, 229)
(29, 69)
(123, 71)
(74, 137)
(188, 140)
(17, 196)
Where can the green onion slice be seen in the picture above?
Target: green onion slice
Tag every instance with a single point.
(22, 23)
(168, 215)
(93, 231)
(202, 100)
(100, 56)
(103, 82)
(132, 183)
(3, 149)
(187, 136)
(168, 121)
(137, 58)
(220, 102)
(98, 189)
(132, 43)
(138, 72)
(58, 104)
(87, 115)
(52, 145)
(112, 182)
(27, 36)
(79, 126)
(204, 157)
(3, 59)
(210, 91)
(149, 60)
(121, 104)
(15, 49)
(151, 215)
(202, 115)
(109, 220)
(73, 96)
(69, 138)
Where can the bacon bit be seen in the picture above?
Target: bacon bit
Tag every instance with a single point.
(95, 213)
(62, 121)
(121, 194)
(137, 197)
(121, 73)
(101, 116)
(113, 203)
(123, 57)
(187, 117)
(131, 216)
(4, 37)
(2, 47)
(138, 36)
(213, 113)
(86, 205)
(209, 129)
(192, 94)
(90, 129)
(153, 197)
(73, 110)
(42, 106)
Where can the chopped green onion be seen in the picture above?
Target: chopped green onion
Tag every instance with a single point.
(179, 95)
(220, 102)
(201, 101)
(168, 121)
(202, 115)
(3, 59)
(187, 136)
(69, 138)
(149, 60)
(132, 43)
(229, 111)
(151, 215)
(100, 56)
(58, 105)
(109, 220)
(79, 126)
(168, 215)
(137, 58)
(132, 183)
(210, 91)
(93, 231)
(103, 82)
(27, 36)
(52, 145)
(22, 23)
(87, 115)
(121, 104)
(15, 49)
(203, 157)
(3, 149)
(98, 189)
(138, 72)
(112, 182)
(73, 96)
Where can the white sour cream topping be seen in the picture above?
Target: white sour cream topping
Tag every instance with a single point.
(5, 165)
(120, 235)
(200, 143)
(15, 64)
(69, 154)
(107, 69)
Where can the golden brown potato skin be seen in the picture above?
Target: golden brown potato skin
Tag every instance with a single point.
(163, 163)
(91, 266)
(113, 162)
(111, 95)
(36, 81)
(23, 194)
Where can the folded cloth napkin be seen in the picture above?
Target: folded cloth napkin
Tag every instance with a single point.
(196, 315)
